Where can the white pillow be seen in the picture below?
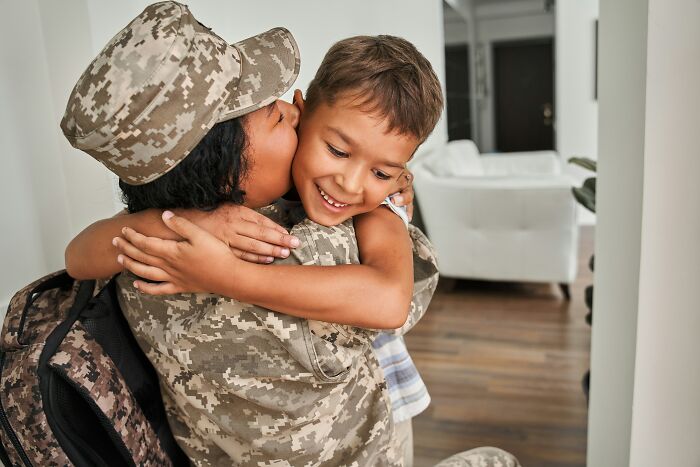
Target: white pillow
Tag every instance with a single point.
(456, 159)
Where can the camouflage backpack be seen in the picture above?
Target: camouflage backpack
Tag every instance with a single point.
(75, 389)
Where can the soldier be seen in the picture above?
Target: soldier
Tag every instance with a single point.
(244, 384)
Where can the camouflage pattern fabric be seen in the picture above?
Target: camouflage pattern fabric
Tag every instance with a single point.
(425, 277)
(16, 334)
(247, 386)
(82, 362)
(163, 82)
(20, 380)
(481, 457)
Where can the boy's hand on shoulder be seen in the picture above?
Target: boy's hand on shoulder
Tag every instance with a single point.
(405, 194)
(252, 236)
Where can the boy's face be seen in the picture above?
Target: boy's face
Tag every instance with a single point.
(346, 162)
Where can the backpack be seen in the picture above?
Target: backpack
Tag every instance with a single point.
(75, 388)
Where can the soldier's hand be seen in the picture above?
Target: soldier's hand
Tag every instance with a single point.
(252, 236)
(194, 264)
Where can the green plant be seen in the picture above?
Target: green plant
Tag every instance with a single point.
(585, 195)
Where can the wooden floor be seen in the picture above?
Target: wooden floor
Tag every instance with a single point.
(503, 364)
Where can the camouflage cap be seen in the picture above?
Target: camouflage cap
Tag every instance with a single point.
(163, 82)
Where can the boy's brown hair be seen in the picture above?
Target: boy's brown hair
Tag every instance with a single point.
(388, 76)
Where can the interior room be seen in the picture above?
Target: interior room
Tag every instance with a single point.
(564, 163)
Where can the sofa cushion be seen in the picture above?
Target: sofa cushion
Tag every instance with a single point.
(456, 159)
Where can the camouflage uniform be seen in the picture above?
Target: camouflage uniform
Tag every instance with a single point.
(481, 457)
(245, 385)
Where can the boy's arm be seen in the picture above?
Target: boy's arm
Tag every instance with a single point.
(252, 237)
(372, 295)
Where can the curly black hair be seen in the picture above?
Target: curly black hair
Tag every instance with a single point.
(210, 175)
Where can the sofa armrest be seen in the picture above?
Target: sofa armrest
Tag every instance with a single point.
(521, 163)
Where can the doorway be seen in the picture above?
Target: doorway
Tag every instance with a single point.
(459, 124)
(524, 94)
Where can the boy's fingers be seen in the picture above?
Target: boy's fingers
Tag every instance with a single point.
(181, 226)
(267, 235)
(252, 257)
(160, 288)
(128, 249)
(257, 218)
(404, 198)
(142, 270)
(268, 223)
(150, 245)
(406, 181)
(408, 176)
(409, 211)
(252, 245)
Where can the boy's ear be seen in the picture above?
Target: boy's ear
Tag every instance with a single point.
(298, 100)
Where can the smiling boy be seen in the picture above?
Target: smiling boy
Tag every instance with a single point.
(301, 390)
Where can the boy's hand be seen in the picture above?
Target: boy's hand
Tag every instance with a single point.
(405, 195)
(250, 235)
(191, 265)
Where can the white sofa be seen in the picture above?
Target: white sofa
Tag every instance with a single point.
(505, 217)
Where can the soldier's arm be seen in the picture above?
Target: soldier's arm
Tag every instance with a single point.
(252, 236)
(91, 255)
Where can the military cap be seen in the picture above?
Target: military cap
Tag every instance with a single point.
(163, 82)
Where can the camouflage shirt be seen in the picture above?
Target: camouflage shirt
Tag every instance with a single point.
(244, 385)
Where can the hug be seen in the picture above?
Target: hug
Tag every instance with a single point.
(266, 264)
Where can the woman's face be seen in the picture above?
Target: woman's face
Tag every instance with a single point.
(272, 142)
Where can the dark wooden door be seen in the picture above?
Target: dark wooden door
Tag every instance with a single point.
(457, 86)
(524, 95)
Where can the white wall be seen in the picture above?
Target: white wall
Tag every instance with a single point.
(622, 54)
(645, 375)
(35, 215)
(458, 15)
(576, 107)
(666, 407)
(20, 220)
(50, 190)
(316, 25)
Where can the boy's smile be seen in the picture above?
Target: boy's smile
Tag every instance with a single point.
(346, 162)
